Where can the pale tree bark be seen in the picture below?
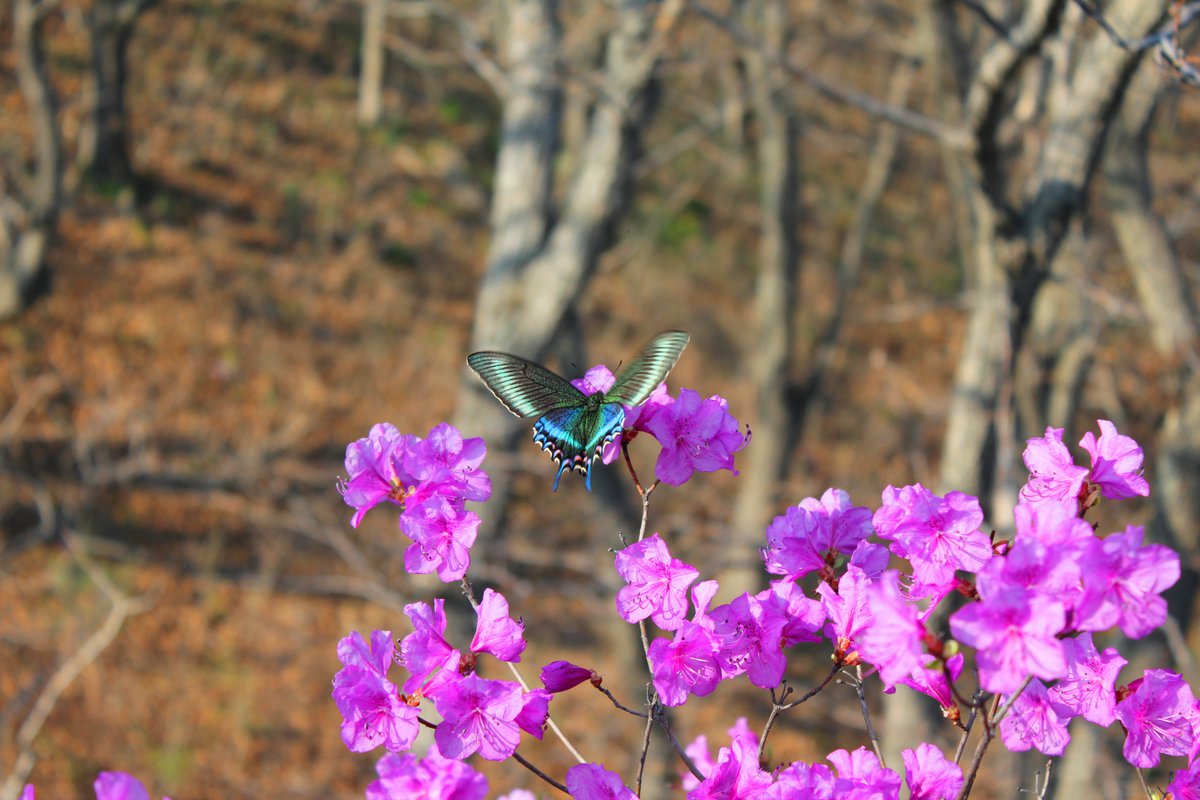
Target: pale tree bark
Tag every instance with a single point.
(1163, 292)
(771, 357)
(1018, 230)
(542, 252)
(27, 224)
(371, 62)
(104, 139)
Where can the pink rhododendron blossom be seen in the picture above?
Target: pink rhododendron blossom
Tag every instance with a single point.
(803, 616)
(848, 609)
(403, 469)
(868, 778)
(1116, 463)
(496, 632)
(938, 535)
(434, 777)
(685, 664)
(931, 776)
(444, 458)
(1053, 475)
(749, 632)
(848, 524)
(119, 786)
(932, 679)
(1088, 688)
(594, 782)
(373, 712)
(894, 641)
(535, 710)
(1036, 721)
(696, 436)
(442, 536)
(657, 584)
(479, 716)
(1159, 716)
(1123, 582)
(735, 776)
(1014, 633)
(429, 658)
(1186, 783)
(808, 781)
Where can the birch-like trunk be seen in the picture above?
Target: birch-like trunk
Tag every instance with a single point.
(27, 225)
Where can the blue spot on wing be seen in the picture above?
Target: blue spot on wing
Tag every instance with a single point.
(575, 435)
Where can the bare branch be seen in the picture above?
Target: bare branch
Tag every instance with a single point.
(122, 607)
(872, 105)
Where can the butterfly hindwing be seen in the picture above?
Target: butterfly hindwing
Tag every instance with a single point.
(575, 436)
(648, 369)
(525, 388)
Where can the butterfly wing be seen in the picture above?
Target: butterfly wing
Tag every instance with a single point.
(575, 435)
(648, 369)
(525, 388)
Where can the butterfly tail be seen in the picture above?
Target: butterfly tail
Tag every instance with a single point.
(562, 467)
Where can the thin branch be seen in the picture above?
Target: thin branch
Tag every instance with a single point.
(985, 15)
(660, 716)
(527, 765)
(1168, 31)
(860, 690)
(641, 770)
(121, 608)
(780, 704)
(955, 137)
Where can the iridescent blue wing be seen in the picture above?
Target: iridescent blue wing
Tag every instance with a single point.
(648, 369)
(525, 388)
(574, 436)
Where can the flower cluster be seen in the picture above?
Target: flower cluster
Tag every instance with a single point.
(430, 479)
(696, 435)
(478, 715)
(1032, 607)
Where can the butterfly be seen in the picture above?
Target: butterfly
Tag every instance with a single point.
(572, 426)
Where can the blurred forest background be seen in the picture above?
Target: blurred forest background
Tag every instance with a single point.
(905, 236)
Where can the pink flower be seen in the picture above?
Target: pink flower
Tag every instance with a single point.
(1036, 720)
(894, 641)
(1158, 714)
(931, 776)
(496, 632)
(1014, 633)
(1053, 475)
(1116, 463)
(434, 777)
(594, 782)
(657, 584)
(1088, 688)
(696, 436)
(479, 716)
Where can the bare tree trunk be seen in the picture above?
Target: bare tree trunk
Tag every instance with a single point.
(104, 141)
(26, 228)
(1019, 232)
(537, 270)
(1163, 291)
(775, 296)
(370, 77)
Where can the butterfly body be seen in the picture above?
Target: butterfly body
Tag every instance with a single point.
(572, 426)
